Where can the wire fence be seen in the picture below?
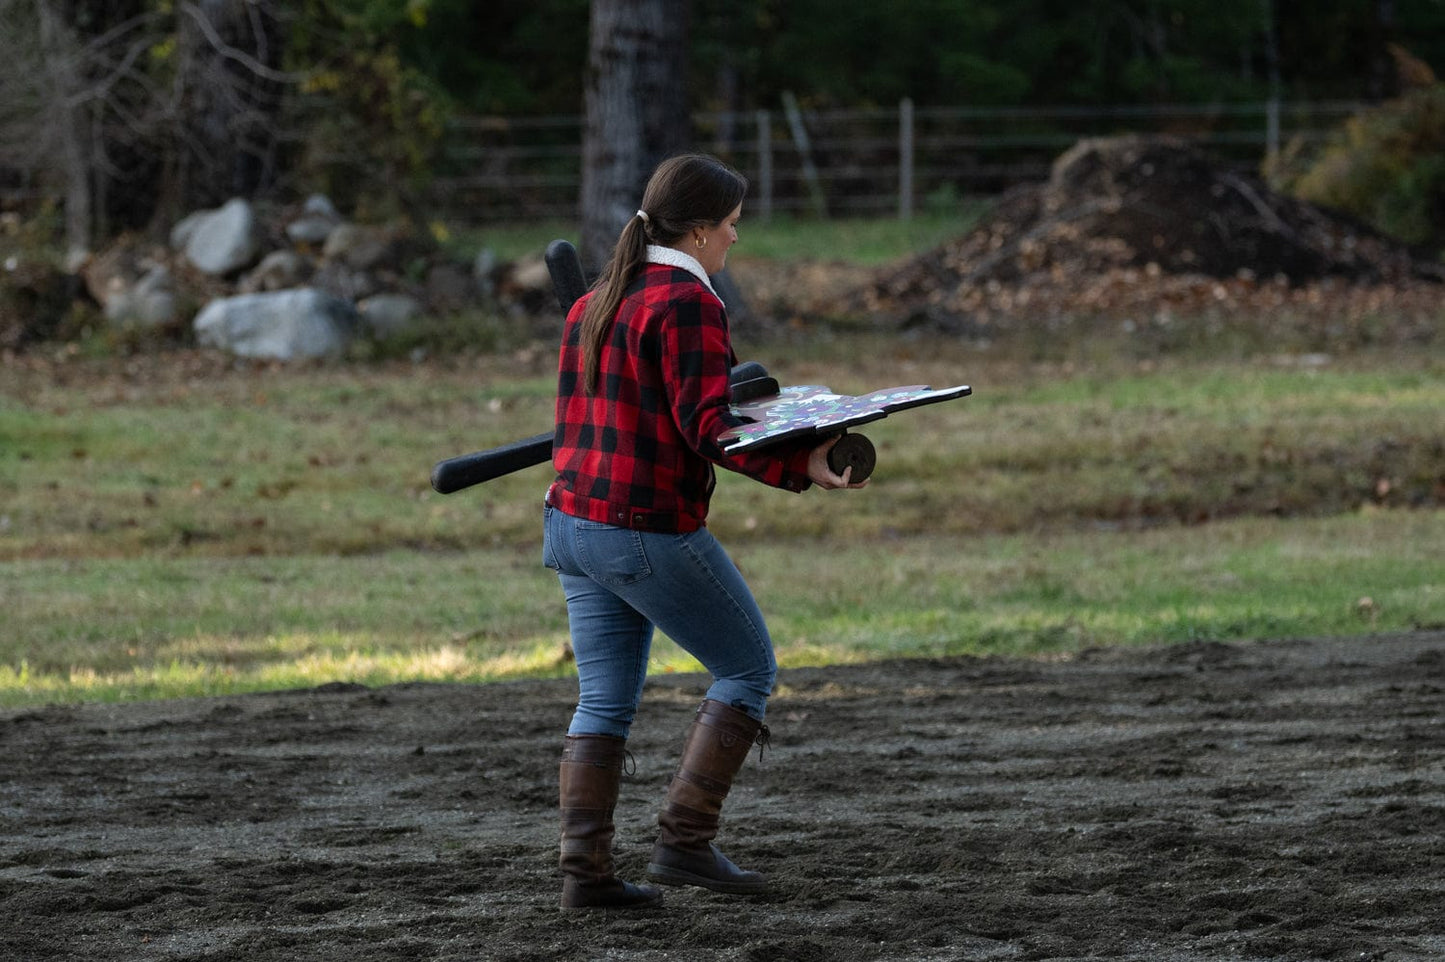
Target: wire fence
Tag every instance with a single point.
(856, 163)
(877, 162)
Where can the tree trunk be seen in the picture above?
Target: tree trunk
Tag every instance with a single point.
(1384, 79)
(636, 111)
(70, 127)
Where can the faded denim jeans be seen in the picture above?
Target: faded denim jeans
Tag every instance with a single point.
(622, 583)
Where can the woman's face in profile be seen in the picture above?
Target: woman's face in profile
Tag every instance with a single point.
(713, 254)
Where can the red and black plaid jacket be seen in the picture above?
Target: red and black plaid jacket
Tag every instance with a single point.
(639, 452)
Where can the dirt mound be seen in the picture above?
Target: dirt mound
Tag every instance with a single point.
(1124, 222)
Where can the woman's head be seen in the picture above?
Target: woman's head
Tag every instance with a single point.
(688, 192)
(690, 201)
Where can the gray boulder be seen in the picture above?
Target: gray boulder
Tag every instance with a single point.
(150, 303)
(279, 325)
(387, 315)
(220, 241)
(450, 288)
(278, 271)
(338, 280)
(484, 267)
(360, 247)
(318, 219)
(182, 229)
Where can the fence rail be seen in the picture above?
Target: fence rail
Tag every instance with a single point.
(863, 162)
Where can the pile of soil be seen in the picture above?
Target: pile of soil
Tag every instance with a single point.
(1280, 800)
(1133, 226)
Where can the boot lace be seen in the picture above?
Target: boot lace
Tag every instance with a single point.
(763, 740)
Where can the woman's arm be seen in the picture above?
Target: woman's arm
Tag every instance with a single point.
(697, 363)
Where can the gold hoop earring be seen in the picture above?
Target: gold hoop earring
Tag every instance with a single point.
(701, 243)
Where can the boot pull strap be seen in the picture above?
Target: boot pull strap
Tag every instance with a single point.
(629, 763)
(763, 741)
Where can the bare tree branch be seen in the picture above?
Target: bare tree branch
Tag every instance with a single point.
(101, 87)
(239, 56)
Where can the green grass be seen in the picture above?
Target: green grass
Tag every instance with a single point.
(862, 242)
(166, 627)
(178, 525)
(512, 241)
(1040, 593)
(865, 242)
(336, 460)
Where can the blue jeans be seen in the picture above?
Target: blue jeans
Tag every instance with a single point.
(620, 583)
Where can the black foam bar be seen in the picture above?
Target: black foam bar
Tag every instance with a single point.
(568, 281)
(746, 371)
(463, 471)
(754, 388)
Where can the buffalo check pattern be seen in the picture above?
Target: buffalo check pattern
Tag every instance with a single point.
(639, 452)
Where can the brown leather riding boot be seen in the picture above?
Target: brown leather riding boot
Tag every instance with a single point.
(588, 781)
(717, 744)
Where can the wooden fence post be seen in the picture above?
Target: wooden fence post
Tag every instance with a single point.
(1271, 140)
(905, 159)
(765, 165)
(805, 152)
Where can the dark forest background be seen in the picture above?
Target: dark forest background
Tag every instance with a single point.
(124, 114)
(522, 56)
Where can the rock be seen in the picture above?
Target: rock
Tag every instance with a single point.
(484, 268)
(238, 250)
(359, 247)
(338, 280)
(526, 286)
(150, 303)
(278, 271)
(113, 271)
(530, 274)
(319, 205)
(222, 241)
(387, 315)
(449, 288)
(141, 284)
(318, 219)
(185, 228)
(280, 325)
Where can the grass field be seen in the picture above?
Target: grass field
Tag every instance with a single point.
(862, 242)
(176, 524)
(264, 528)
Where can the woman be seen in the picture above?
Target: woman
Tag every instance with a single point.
(641, 400)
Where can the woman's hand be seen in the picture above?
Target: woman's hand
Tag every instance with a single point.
(821, 474)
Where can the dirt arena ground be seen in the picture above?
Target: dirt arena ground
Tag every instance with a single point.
(1281, 800)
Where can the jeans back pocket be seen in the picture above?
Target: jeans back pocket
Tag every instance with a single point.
(610, 555)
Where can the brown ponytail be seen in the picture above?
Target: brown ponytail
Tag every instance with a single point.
(627, 258)
(691, 190)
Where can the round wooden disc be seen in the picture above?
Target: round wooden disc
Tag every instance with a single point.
(856, 452)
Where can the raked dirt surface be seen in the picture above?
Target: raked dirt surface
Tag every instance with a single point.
(1276, 800)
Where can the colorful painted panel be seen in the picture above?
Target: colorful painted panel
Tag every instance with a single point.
(814, 409)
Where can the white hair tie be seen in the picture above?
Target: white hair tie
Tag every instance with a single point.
(645, 218)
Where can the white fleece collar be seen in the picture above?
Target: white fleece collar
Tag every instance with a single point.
(672, 257)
